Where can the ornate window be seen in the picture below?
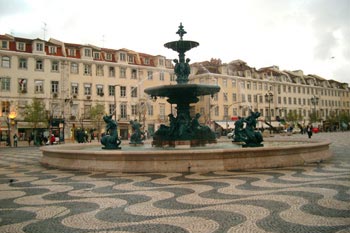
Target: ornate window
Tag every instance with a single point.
(39, 65)
(54, 86)
(22, 63)
(5, 62)
(39, 86)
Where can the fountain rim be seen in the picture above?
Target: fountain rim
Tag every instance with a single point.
(192, 44)
(159, 150)
(211, 89)
(184, 160)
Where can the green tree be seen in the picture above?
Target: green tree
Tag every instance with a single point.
(35, 113)
(344, 117)
(293, 116)
(97, 112)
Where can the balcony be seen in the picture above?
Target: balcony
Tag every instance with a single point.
(123, 118)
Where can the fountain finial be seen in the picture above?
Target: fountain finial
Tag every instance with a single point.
(181, 31)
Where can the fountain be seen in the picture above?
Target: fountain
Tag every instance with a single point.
(184, 145)
(183, 130)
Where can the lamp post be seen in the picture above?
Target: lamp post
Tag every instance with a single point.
(269, 98)
(12, 115)
(257, 101)
(226, 113)
(115, 101)
(314, 100)
(142, 108)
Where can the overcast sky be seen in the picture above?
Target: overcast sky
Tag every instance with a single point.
(310, 35)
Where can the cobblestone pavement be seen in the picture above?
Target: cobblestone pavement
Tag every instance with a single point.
(310, 198)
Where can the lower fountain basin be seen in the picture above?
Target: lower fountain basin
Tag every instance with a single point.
(218, 157)
(190, 91)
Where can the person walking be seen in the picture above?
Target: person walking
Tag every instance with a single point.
(309, 130)
(15, 140)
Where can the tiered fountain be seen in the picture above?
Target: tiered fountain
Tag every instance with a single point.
(183, 129)
(168, 156)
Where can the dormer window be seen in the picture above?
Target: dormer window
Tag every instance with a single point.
(131, 59)
(108, 56)
(4, 44)
(122, 57)
(21, 46)
(146, 61)
(96, 55)
(87, 52)
(39, 47)
(161, 62)
(71, 52)
(52, 49)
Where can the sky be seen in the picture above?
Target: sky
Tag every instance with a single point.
(308, 35)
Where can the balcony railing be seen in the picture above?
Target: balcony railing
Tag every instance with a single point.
(122, 117)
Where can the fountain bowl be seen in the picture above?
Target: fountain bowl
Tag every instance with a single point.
(181, 45)
(90, 157)
(191, 91)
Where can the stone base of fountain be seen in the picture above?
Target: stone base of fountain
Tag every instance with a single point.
(219, 157)
(136, 144)
(182, 143)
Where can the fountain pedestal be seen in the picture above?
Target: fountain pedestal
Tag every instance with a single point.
(183, 130)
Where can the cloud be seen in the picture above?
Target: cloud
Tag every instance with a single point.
(13, 7)
(331, 27)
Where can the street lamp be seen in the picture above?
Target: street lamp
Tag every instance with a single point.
(115, 101)
(226, 113)
(142, 108)
(314, 100)
(12, 115)
(257, 101)
(269, 98)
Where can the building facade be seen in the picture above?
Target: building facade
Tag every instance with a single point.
(71, 79)
(279, 96)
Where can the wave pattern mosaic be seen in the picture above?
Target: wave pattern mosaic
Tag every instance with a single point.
(313, 198)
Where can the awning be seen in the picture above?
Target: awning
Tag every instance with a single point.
(29, 125)
(3, 126)
(259, 124)
(273, 123)
(226, 124)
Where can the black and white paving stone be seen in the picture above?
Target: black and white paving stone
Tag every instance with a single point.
(303, 199)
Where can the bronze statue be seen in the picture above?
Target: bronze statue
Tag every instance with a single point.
(239, 130)
(137, 135)
(247, 134)
(110, 140)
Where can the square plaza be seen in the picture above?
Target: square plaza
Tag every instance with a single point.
(309, 198)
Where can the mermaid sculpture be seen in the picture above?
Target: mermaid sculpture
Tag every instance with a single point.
(137, 135)
(110, 140)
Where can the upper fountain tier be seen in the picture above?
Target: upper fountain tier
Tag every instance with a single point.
(182, 92)
(181, 46)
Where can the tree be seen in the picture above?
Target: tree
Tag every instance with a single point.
(293, 116)
(344, 117)
(96, 114)
(35, 113)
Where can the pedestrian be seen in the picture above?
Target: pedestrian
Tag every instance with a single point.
(8, 141)
(52, 139)
(309, 130)
(15, 140)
